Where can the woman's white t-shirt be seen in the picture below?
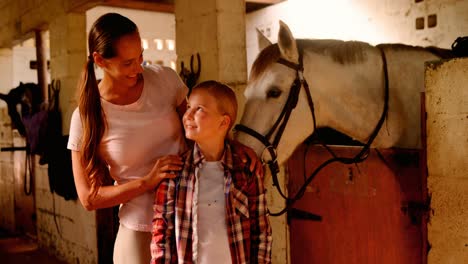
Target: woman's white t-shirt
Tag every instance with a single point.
(137, 135)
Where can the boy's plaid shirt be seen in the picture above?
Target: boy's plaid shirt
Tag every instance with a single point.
(174, 238)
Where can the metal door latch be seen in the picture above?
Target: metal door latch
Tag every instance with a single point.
(294, 213)
(416, 210)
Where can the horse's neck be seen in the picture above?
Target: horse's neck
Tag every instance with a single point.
(349, 97)
(345, 95)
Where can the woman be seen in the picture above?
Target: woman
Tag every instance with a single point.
(126, 129)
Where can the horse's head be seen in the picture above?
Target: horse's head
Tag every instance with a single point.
(266, 94)
(31, 98)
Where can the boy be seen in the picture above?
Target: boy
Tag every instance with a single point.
(215, 211)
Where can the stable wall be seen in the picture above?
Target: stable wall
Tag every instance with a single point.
(447, 152)
(64, 228)
(7, 202)
(22, 54)
(6, 69)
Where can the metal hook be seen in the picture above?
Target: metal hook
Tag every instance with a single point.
(190, 77)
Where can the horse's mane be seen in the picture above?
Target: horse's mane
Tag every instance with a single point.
(439, 52)
(343, 52)
(266, 57)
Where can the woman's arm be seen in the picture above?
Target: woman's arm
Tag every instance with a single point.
(108, 196)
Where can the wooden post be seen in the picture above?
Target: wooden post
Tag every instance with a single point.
(423, 166)
(41, 64)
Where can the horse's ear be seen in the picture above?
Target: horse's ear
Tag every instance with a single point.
(287, 43)
(4, 97)
(263, 41)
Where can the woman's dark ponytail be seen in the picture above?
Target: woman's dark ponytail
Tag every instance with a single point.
(101, 40)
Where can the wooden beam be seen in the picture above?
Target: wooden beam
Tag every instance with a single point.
(253, 5)
(166, 6)
(149, 5)
(80, 5)
(269, 2)
(41, 64)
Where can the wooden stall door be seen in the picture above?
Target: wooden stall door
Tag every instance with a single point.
(373, 212)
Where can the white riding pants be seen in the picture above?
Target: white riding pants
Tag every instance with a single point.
(132, 247)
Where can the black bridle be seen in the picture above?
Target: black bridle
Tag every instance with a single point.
(283, 119)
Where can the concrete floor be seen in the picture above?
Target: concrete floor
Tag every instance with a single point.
(21, 249)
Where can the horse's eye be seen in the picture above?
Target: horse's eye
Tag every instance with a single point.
(274, 92)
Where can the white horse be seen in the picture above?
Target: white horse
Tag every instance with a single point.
(347, 86)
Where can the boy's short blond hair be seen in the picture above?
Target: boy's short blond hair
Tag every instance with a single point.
(225, 98)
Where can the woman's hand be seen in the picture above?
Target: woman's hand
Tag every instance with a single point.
(165, 167)
(247, 154)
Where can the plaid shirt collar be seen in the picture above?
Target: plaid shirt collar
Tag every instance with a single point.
(226, 158)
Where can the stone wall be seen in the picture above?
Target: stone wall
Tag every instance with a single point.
(6, 70)
(447, 152)
(64, 228)
(7, 203)
(365, 20)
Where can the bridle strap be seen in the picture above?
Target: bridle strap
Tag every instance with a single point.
(290, 105)
(273, 163)
(292, 100)
(254, 134)
(292, 65)
(299, 81)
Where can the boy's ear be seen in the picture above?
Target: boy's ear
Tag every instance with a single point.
(226, 120)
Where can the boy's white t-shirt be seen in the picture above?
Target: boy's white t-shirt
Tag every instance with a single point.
(137, 135)
(211, 226)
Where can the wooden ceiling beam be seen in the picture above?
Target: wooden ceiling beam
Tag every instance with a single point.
(166, 6)
(267, 2)
(253, 5)
(149, 5)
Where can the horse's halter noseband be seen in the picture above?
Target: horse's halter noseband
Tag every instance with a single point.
(283, 119)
